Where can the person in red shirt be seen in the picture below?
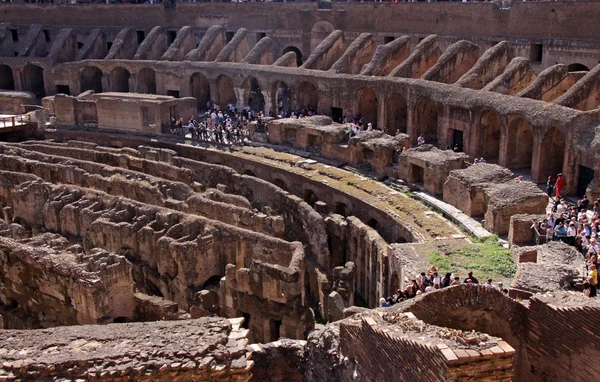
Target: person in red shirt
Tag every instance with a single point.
(560, 183)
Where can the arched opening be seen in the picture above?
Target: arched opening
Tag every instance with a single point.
(489, 135)
(426, 119)
(7, 81)
(253, 95)
(396, 114)
(341, 209)
(366, 106)
(91, 79)
(147, 81)
(212, 282)
(553, 153)
(373, 223)
(120, 320)
(578, 68)
(152, 289)
(226, 91)
(520, 144)
(119, 79)
(308, 96)
(310, 197)
(33, 80)
(280, 183)
(248, 172)
(298, 54)
(282, 97)
(200, 90)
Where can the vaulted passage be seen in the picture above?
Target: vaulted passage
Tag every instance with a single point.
(119, 80)
(366, 106)
(283, 96)
(200, 90)
(553, 153)
(426, 119)
(7, 81)
(307, 96)
(396, 114)
(226, 92)
(253, 95)
(91, 79)
(33, 80)
(519, 144)
(147, 81)
(578, 68)
(488, 144)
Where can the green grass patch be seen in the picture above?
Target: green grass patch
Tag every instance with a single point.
(486, 257)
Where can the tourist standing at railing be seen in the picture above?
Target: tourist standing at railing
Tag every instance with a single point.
(593, 280)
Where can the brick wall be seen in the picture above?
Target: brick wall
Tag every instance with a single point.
(563, 344)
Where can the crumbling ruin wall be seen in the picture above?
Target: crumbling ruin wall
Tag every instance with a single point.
(168, 256)
(207, 349)
(48, 287)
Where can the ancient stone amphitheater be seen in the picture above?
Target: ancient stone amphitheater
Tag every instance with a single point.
(127, 253)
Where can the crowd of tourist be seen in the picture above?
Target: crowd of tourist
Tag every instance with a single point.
(576, 225)
(431, 281)
(229, 126)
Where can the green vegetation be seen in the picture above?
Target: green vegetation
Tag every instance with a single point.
(487, 258)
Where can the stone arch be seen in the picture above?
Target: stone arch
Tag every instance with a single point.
(310, 197)
(552, 153)
(365, 105)
(489, 132)
(426, 120)
(33, 80)
(7, 82)
(297, 52)
(226, 91)
(147, 81)
(472, 307)
(90, 78)
(253, 96)
(213, 281)
(373, 223)
(341, 208)
(119, 80)
(280, 183)
(200, 89)
(577, 67)
(519, 143)
(396, 114)
(282, 93)
(308, 96)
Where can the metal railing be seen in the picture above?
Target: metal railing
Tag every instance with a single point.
(15, 120)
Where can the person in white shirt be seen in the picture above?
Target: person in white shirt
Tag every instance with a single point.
(420, 140)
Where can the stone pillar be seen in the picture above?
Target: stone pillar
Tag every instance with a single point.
(412, 123)
(18, 79)
(268, 102)
(239, 95)
(106, 85)
(537, 165)
(133, 82)
(381, 112)
(503, 159)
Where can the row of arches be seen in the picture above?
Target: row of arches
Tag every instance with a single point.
(33, 79)
(253, 96)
